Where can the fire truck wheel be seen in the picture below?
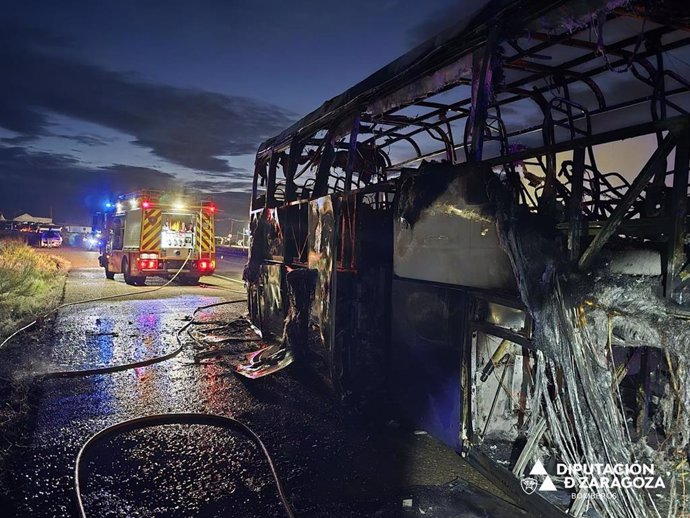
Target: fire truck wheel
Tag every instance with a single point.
(132, 281)
(108, 274)
(189, 280)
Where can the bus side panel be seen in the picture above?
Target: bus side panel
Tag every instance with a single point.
(266, 280)
(364, 272)
(321, 259)
(271, 300)
(429, 328)
(445, 231)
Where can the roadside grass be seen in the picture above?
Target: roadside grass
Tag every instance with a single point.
(30, 284)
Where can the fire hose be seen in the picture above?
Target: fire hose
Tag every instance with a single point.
(142, 363)
(175, 418)
(157, 419)
(163, 419)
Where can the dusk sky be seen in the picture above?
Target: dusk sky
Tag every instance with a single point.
(103, 97)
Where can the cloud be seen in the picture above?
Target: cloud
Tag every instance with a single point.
(210, 186)
(18, 140)
(186, 126)
(87, 140)
(43, 182)
(234, 172)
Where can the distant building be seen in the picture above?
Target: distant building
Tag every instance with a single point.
(2, 218)
(26, 217)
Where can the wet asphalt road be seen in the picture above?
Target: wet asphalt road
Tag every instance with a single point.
(333, 463)
(116, 332)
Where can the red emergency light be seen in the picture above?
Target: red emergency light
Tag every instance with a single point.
(203, 265)
(148, 264)
(146, 204)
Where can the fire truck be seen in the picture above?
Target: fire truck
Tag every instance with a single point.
(151, 233)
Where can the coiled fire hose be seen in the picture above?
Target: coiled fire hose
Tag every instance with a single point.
(175, 418)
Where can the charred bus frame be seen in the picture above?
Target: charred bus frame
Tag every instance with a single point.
(524, 96)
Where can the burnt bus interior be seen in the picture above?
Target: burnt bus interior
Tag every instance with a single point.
(492, 230)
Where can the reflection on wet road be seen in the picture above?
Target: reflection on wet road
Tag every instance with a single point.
(116, 332)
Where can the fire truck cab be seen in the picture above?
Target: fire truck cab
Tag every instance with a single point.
(150, 233)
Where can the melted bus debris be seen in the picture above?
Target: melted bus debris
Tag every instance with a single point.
(466, 233)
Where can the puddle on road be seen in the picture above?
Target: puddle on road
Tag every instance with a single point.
(179, 471)
(115, 333)
(71, 410)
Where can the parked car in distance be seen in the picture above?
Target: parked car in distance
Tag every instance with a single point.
(50, 239)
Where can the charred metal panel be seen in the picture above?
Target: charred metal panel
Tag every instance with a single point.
(350, 249)
(322, 239)
(271, 297)
(445, 233)
(267, 236)
(363, 286)
(262, 273)
(457, 72)
(265, 300)
(294, 222)
(273, 235)
(428, 337)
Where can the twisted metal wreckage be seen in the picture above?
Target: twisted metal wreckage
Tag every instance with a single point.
(443, 232)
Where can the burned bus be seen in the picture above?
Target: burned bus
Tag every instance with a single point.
(491, 231)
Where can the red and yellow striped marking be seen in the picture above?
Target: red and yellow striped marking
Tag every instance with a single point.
(208, 233)
(197, 234)
(151, 230)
